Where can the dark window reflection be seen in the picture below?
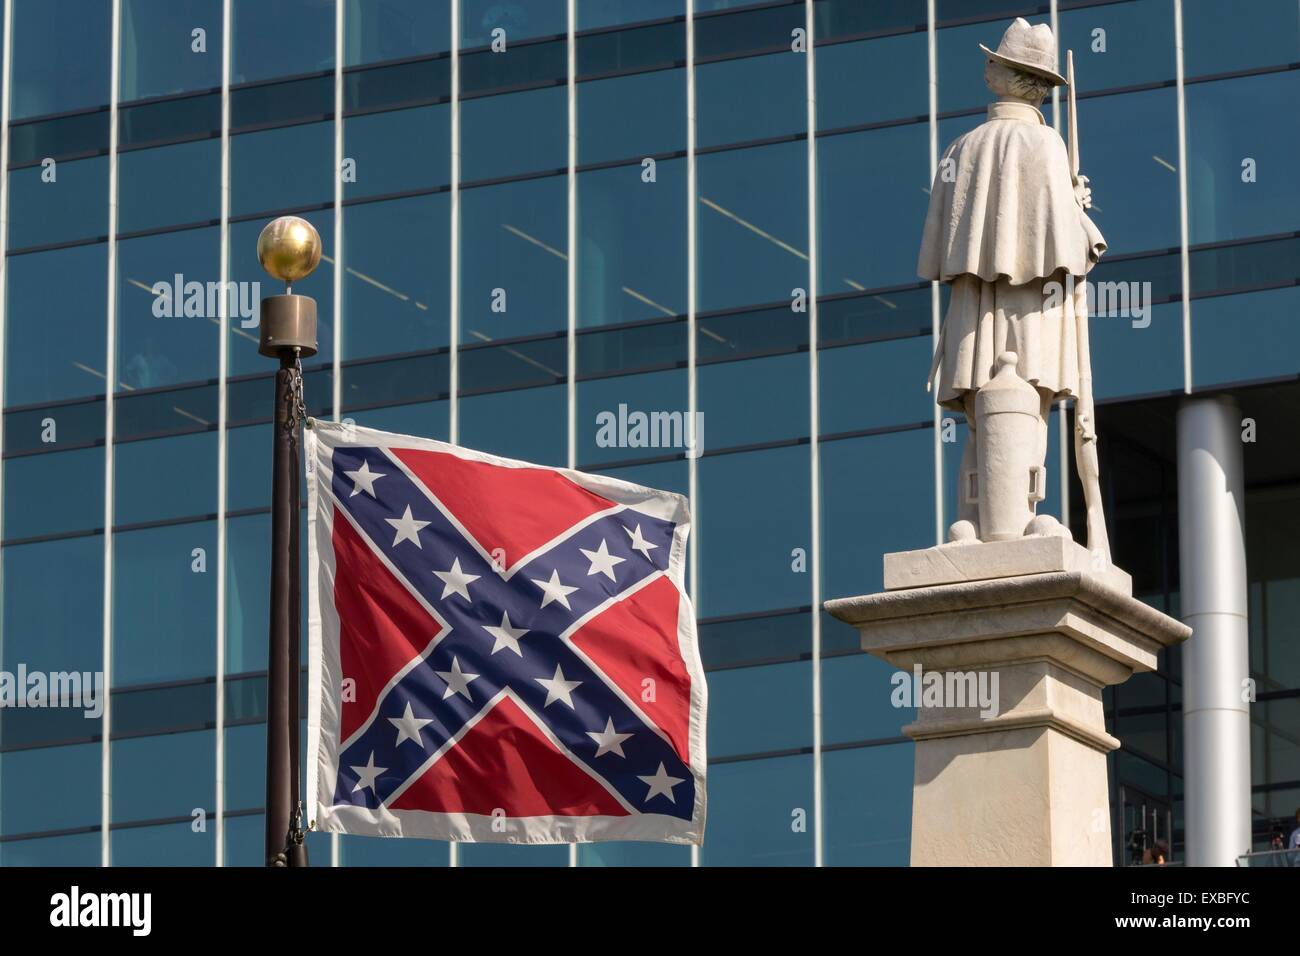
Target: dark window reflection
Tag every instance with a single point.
(60, 56)
(55, 324)
(160, 52)
(514, 241)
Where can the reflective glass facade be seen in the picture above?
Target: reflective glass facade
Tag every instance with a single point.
(670, 205)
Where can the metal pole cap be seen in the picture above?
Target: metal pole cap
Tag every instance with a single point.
(288, 322)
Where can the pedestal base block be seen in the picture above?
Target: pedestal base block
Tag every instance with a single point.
(1010, 735)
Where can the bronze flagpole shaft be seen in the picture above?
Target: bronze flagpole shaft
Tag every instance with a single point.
(289, 249)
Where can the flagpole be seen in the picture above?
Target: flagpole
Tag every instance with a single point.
(289, 249)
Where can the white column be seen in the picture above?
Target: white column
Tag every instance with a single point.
(1212, 563)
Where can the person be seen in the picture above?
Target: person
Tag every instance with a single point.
(1007, 229)
(1294, 842)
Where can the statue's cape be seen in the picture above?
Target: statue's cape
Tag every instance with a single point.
(1010, 208)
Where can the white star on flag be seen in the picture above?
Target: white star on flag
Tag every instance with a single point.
(363, 479)
(555, 591)
(457, 680)
(456, 581)
(408, 529)
(639, 543)
(367, 775)
(660, 782)
(608, 741)
(602, 562)
(557, 688)
(408, 726)
(506, 636)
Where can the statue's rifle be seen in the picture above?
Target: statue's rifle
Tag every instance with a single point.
(1085, 434)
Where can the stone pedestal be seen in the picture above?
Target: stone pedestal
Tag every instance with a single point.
(1022, 783)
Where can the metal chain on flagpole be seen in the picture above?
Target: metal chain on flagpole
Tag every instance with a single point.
(300, 406)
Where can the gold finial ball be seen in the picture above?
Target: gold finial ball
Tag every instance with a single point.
(289, 248)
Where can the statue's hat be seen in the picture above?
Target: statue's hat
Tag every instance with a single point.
(1032, 49)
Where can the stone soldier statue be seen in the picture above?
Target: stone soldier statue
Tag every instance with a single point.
(1006, 228)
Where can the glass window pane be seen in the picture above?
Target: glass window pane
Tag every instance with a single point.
(524, 66)
(60, 56)
(1129, 149)
(608, 13)
(142, 792)
(628, 348)
(150, 194)
(520, 19)
(513, 133)
(529, 424)
(608, 416)
(960, 65)
(759, 709)
(53, 605)
(874, 385)
(870, 81)
(168, 310)
(72, 205)
(748, 560)
(753, 401)
(867, 801)
(395, 284)
(159, 582)
(633, 854)
(631, 244)
(664, 475)
(513, 259)
(54, 492)
(248, 604)
(836, 18)
(502, 854)
(751, 98)
(753, 228)
(70, 772)
(174, 844)
(419, 381)
(80, 849)
(261, 180)
(1219, 38)
(246, 764)
(161, 53)
(1236, 338)
(858, 699)
(398, 151)
(369, 851)
(426, 419)
(869, 509)
(879, 176)
(754, 811)
(1240, 158)
(148, 486)
(245, 840)
(259, 50)
(1134, 355)
(1135, 43)
(625, 117)
(394, 29)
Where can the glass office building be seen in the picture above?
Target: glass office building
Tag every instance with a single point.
(632, 203)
